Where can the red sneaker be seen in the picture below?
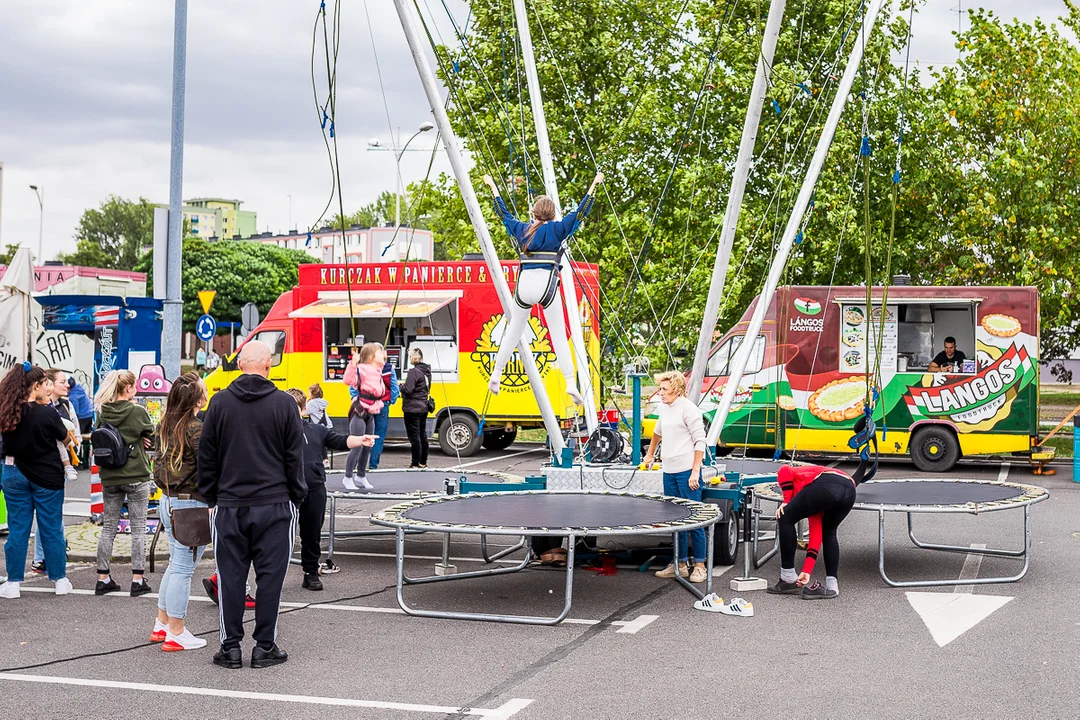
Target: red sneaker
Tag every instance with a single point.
(157, 636)
(249, 602)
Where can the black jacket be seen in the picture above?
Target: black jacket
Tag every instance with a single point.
(33, 445)
(318, 438)
(417, 388)
(252, 446)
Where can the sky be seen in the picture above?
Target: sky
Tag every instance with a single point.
(85, 104)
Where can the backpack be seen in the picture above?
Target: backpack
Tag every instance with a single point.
(109, 448)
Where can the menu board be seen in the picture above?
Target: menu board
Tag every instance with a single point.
(337, 359)
(854, 328)
(393, 356)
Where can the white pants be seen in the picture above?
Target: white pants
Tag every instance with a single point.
(530, 289)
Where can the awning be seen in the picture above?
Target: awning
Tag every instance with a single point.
(377, 304)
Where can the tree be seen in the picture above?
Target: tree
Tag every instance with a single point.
(240, 272)
(114, 235)
(9, 253)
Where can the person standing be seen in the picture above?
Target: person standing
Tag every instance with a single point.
(200, 360)
(84, 412)
(683, 433)
(365, 374)
(317, 407)
(176, 472)
(32, 476)
(251, 475)
(414, 405)
(58, 398)
(382, 420)
(317, 440)
(130, 482)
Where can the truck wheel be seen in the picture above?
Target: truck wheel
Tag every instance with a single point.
(499, 439)
(934, 449)
(726, 542)
(459, 435)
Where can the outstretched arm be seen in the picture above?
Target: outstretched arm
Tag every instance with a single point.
(515, 227)
(568, 224)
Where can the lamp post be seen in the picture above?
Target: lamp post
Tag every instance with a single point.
(40, 192)
(375, 144)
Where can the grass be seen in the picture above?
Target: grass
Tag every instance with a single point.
(1063, 445)
(1051, 397)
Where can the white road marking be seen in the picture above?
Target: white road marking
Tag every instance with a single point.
(507, 710)
(501, 457)
(970, 571)
(633, 626)
(949, 615)
(1003, 473)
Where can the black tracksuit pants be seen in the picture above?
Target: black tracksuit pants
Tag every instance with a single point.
(312, 511)
(260, 536)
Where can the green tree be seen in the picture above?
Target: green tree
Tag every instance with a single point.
(114, 235)
(9, 253)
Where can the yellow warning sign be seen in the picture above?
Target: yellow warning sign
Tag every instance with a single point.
(206, 297)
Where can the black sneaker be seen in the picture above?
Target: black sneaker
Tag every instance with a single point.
(104, 588)
(817, 591)
(265, 658)
(38, 567)
(211, 589)
(231, 659)
(312, 581)
(140, 588)
(783, 588)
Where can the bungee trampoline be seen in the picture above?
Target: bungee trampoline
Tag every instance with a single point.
(915, 496)
(532, 513)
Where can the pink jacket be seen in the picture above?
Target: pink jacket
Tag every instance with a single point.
(369, 384)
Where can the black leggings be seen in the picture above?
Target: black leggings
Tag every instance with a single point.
(830, 494)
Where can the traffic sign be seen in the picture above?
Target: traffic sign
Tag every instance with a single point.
(249, 317)
(205, 328)
(206, 297)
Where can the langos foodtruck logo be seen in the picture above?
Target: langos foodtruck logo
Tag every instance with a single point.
(513, 376)
(807, 306)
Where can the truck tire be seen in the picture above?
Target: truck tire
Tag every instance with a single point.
(726, 541)
(459, 435)
(499, 439)
(934, 449)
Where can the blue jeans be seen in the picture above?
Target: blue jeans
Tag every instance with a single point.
(39, 552)
(175, 588)
(382, 421)
(678, 485)
(25, 500)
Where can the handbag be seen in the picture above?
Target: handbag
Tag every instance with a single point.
(190, 526)
(430, 400)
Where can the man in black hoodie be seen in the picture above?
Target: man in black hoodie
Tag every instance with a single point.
(251, 474)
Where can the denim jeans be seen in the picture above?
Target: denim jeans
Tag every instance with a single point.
(25, 500)
(137, 496)
(678, 485)
(382, 421)
(175, 589)
(39, 551)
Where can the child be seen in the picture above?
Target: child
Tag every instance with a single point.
(365, 374)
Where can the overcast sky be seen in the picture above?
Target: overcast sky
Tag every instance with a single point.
(85, 97)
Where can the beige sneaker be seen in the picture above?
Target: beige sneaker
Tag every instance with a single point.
(698, 574)
(669, 571)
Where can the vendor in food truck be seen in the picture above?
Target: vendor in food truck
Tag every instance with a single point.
(950, 359)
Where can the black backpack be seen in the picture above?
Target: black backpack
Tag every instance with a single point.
(109, 448)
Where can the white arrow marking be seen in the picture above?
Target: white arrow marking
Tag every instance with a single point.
(632, 626)
(949, 615)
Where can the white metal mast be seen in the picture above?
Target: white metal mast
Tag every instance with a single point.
(772, 280)
(472, 205)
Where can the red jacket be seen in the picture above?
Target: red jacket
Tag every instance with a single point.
(794, 479)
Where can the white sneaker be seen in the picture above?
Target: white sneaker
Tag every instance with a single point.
(347, 481)
(183, 641)
(362, 479)
(10, 590)
(493, 386)
(63, 586)
(738, 606)
(710, 603)
(70, 473)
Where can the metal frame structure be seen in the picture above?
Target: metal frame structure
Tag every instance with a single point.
(704, 516)
(1026, 496)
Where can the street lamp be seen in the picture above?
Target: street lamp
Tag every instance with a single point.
(374, 143)
(40, 192)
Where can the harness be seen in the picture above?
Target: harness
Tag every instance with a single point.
(549, 259)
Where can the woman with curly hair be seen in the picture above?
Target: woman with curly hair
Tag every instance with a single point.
(32, 475)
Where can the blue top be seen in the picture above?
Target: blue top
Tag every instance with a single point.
(548, 238)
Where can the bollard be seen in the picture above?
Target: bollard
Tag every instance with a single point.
(97, 500)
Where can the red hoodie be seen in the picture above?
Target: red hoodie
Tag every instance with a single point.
(792, 481)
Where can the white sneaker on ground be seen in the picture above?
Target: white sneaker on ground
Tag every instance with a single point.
(183, 641)
(738, 606)
(10, 590)
(347, 481)
(63, 586)
(710, 603)
(362, 479)
(70, 473)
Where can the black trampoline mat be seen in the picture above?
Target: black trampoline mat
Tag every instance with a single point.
(934, 492)
(543, 510)
(404, 482)
(751, 466)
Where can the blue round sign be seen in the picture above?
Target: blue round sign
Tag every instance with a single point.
(205, 328)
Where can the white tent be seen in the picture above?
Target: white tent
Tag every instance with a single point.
(20, 314)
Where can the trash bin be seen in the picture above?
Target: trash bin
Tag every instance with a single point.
(1076, 448)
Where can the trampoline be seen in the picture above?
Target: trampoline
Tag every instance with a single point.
(972, 497)
(532, 513)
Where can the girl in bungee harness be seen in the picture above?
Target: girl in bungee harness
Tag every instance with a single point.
(540, 245)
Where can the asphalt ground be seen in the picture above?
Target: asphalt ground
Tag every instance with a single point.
(633, 648)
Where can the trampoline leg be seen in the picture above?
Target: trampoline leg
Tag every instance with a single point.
(759, 561)
(968, 550)
(502, 553)
(332, 524)
(445, 568)
(675, 563)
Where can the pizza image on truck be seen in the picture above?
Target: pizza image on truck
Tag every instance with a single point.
(806, 382)
(450, 311)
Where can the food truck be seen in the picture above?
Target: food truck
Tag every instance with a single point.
(449, 310)
(806, 383)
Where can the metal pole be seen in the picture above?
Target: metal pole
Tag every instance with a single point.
(635, 422)
(173, 311)
(41, 226)
(566, 271)
(397, 191)
(472, 205)
(742, 355)
(735, 198)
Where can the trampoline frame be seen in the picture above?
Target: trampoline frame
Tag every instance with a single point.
(1029, 495)
(705, 516)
